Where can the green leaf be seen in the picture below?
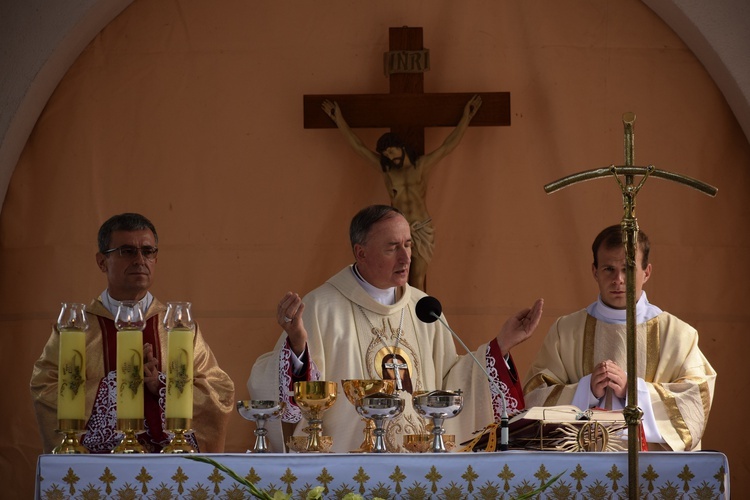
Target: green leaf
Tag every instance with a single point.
(254, 490)
(543, 487)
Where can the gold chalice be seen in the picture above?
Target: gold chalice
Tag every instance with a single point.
(438, 405)
(422, 443)
(380, 407)
(313, 399)
(259, 411)
(298, 444)
(355, 390)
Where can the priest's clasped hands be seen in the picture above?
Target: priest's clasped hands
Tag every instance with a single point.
(608, 374)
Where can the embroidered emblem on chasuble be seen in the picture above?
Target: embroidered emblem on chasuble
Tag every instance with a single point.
(385, 347)
(385, 352)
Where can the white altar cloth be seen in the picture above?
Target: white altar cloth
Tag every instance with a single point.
(450, 475)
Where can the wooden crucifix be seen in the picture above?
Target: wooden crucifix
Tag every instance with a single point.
(407, 111)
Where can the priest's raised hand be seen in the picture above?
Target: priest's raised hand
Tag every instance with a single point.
(519, 327)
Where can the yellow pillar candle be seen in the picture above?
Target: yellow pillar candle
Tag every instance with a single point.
(130, 374)
(71, 376)
(180, 374)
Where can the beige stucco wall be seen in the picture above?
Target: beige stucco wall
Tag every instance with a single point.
(191, 113)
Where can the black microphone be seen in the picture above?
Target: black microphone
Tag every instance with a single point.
(428, 310)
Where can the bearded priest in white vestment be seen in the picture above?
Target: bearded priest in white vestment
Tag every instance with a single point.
(354, 325)
(584, 355)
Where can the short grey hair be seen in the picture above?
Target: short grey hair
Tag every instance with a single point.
(361, 224)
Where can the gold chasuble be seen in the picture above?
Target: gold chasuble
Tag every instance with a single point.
(678, 379)
(352, 336)
(213, 393)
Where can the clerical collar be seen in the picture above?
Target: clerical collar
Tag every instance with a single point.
(644, 311)
(387, 296)
(111, 304)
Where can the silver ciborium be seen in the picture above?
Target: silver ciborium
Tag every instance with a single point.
(438, 405)
(355, 390)
(379, 407)
(259, 411)
(313, 398)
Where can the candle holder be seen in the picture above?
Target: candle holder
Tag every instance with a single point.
(313, 399)
(178, 427)
(438, 405)
(130, 388)
(259, 411)
(129, 443)
(178, 322)
(71, 377)
(71, 429)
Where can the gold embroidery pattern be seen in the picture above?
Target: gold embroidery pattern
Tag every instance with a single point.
(554, 395)
(705, 398)
(653, 349)
(589, 334)
(675, 416)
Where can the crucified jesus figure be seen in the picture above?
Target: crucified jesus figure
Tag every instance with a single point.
(405, 176)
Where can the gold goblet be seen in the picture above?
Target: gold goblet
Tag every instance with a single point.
(438, 405)
(298, 444)
(313, 399)
(259, 411)
(355, 390)
(422, 443)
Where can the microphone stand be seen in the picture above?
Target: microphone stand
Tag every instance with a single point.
(495, 386)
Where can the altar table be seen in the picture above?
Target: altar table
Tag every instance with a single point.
(429, 475)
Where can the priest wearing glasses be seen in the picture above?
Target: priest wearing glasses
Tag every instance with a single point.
(127, 256)
(362, 324)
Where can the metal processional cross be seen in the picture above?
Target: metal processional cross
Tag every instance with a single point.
(629, 224)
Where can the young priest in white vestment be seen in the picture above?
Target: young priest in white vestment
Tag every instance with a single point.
(583, 358)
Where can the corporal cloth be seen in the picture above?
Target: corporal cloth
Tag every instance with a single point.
(339, 317)
(676, 381)
(213, 390)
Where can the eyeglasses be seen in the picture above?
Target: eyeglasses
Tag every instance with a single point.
(131, 252)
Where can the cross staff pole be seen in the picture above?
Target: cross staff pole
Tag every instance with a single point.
(629, 224)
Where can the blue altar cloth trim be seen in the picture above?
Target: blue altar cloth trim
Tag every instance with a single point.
(697, 474)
